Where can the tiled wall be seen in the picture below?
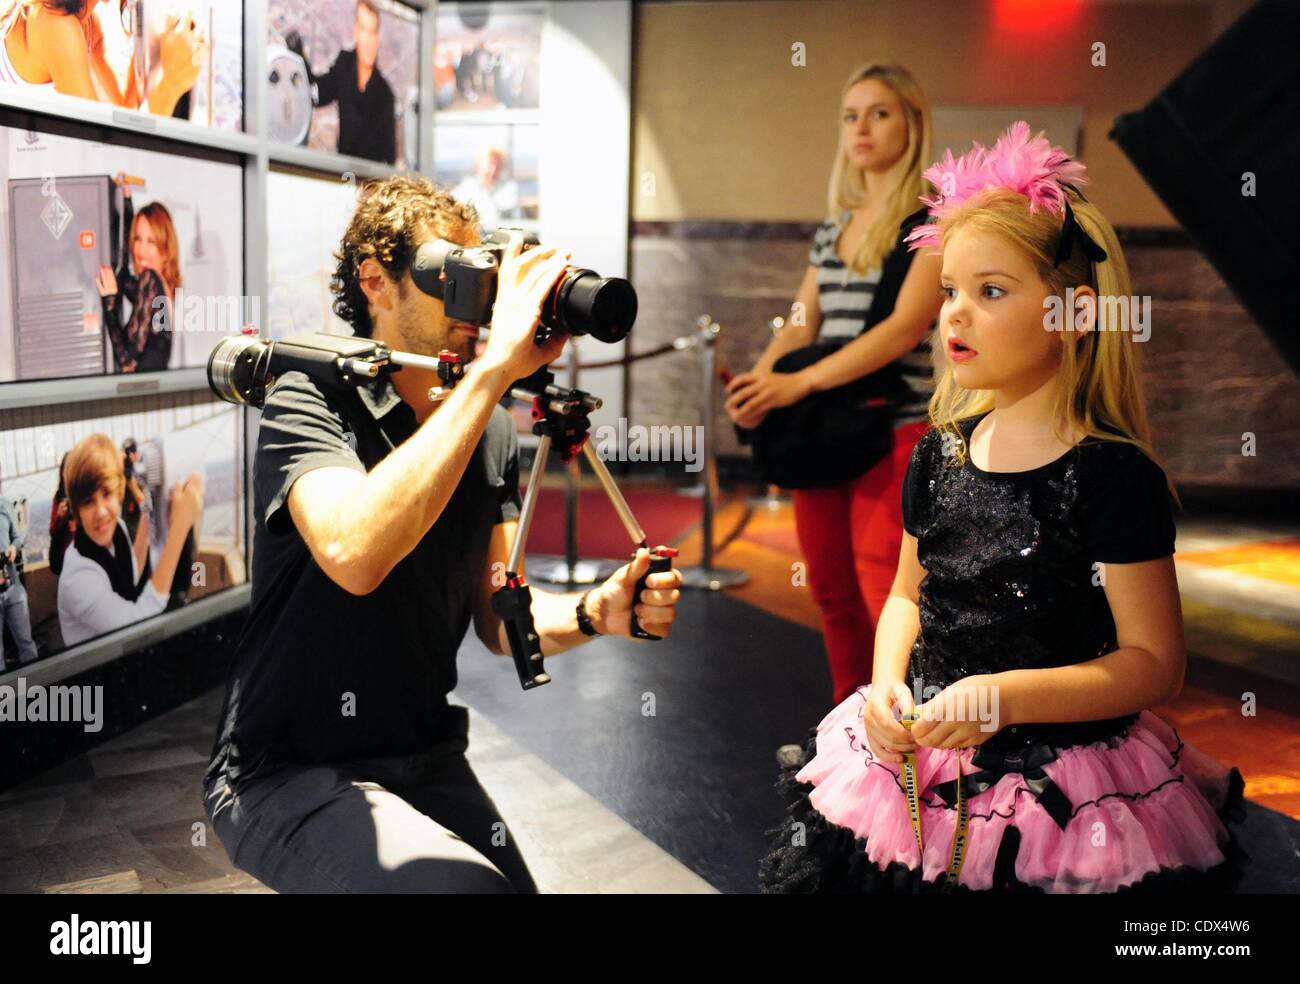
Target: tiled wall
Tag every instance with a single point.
(1211, 373)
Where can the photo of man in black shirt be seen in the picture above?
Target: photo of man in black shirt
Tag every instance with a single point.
(367, 121)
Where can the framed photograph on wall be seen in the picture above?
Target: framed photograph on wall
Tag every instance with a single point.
(493, 167)
(176, 58)
(487, 60)
(344, 77)
(104, 495)
(118, 258)
(306, 217)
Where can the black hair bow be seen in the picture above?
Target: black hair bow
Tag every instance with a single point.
(1072, 232)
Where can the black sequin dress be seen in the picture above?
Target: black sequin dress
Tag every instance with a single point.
(1015, 568)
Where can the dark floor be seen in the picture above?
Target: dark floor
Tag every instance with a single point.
(671, 736)
(696, 775)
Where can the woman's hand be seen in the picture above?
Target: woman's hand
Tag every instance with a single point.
(958, 716)
(119, 179)
(186, 504)
(180, 51)
(885, 736)
(94, 34)
(106, 281)
(749, 419)
(754, 393)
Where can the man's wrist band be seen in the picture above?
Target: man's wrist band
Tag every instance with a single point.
(584, 620)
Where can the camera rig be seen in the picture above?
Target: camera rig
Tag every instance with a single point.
(242, 368)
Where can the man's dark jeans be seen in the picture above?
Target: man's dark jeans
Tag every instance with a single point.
(414, 823)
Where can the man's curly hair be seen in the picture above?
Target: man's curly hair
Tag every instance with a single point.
(393, 217)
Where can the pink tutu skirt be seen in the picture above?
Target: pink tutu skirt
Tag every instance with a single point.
(1141, 811)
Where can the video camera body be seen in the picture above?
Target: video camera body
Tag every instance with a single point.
(464, 278)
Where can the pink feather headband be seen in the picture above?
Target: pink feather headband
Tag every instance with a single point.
(1025, 164)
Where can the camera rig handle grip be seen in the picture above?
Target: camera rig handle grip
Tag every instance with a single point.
(513, 603)
(661, 562)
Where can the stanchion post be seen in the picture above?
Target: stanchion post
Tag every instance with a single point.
(774, 498)
(706, 575)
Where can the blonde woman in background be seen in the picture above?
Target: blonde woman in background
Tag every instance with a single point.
(850, 534)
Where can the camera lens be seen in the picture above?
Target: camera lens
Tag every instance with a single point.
(589, 304)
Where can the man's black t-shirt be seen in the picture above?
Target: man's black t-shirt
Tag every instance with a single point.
(322, 675)
(367, 125)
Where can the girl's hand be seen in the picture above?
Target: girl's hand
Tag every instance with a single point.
(753, 393)
(119, 179)
(885, 736)
(952, 718)
(106, 281)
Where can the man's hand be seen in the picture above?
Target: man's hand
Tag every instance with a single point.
(12, 554)
(293, 41)
(523, 282)
(611, 605)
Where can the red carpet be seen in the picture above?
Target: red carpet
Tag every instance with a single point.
(663, 514)
(774, 538)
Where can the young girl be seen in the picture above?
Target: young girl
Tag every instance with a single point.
(1035, 614)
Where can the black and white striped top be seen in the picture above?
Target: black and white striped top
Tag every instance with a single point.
(845, 299)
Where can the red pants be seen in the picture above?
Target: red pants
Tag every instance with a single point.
(850, 535)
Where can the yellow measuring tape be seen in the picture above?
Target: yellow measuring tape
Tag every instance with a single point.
(959, 836)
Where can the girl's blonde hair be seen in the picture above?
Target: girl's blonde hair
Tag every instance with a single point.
(1100, 380)
(847, 188)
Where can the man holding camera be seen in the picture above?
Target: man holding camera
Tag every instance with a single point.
(383, 528)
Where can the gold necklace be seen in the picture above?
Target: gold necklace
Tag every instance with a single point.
(959, 835)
